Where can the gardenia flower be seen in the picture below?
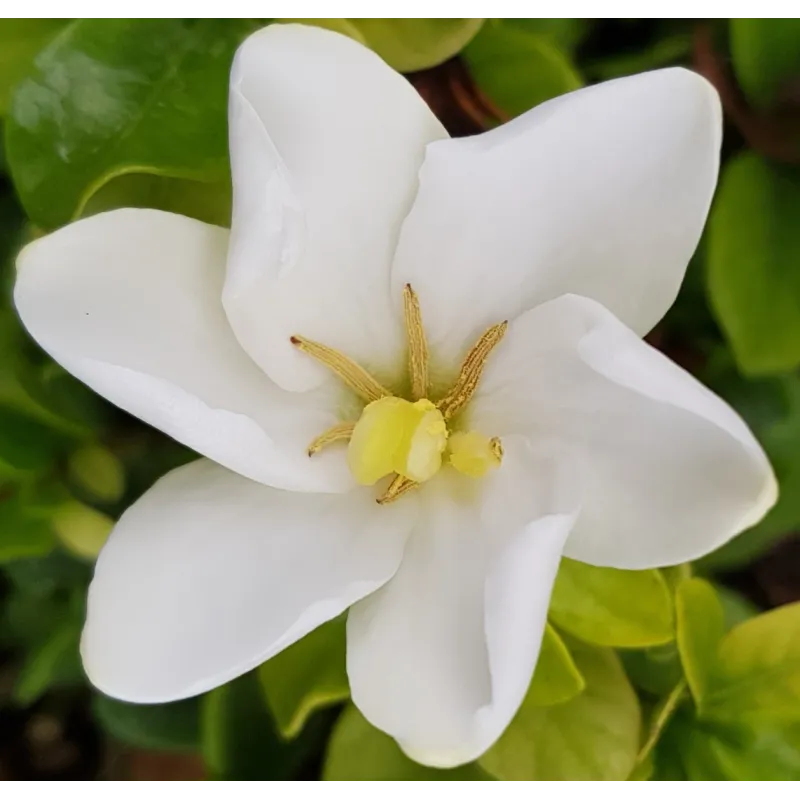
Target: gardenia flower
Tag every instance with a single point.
(414, 368)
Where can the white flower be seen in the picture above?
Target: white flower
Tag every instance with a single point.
(574, 223)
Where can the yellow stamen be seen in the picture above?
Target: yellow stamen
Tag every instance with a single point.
(338, 433)
(397, 488)
(417, 344)
(471, 371)
(474, 454)
(355, 376)
(395, 435)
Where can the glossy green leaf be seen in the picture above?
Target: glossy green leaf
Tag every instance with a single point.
(239, 739)
(412, 44)
(753, 251)
(766, 57)
(556, 678)
(594, 736)
(359, 752)
(308, 675)
(111, 97)
(82, 529)
(54, 661)
(517, 68)
(757, 679)
(700, 624)
(97, 472)
(167, 726)
(612, 607)
(23, 534)
(20, 41)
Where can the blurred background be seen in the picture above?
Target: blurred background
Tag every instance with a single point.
(71, 92)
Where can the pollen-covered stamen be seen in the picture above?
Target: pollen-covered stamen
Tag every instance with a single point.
(355, 376)
(471, 371)
(338, 433)
(396, 489)
(395, 435)
(417, 344)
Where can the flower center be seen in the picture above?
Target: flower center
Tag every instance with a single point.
(409, 438)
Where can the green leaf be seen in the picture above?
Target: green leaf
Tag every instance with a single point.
(239, 738)
(766, 56)
(612, 607)
(81, 529)
(42, 576)
(659, 719)
(556, 678)
(308, 675)
(757, 680)
(594, 736)
(20, 41)
(669, 50)
(771, 406)
(736, 608)
(654, 670)
(753, 251)
(744, 754)
(697, 751)
(23, 534)
(359, 752)
(101, 99)
(26, 446)
(517, 68)
(566, 34)
(412, 44)
(168, 726)
(700, 624)
(95, 470)
(55, 661)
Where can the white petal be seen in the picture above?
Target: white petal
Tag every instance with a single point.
(602, 192)
(129, 302)
(669, 471)
(326, 144)
(209, 574)
(441, 657)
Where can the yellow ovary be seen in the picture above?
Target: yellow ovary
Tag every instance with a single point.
(407, 438)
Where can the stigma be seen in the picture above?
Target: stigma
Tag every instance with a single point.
(411, 438)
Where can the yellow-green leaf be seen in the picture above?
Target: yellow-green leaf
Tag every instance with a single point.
(412, 44)
(359, 752)
(612, 607)
(594, 736)
(308, 675)
(556, 678)
(757, 679)
(700, 624)
(97, 471)
(82, 530)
